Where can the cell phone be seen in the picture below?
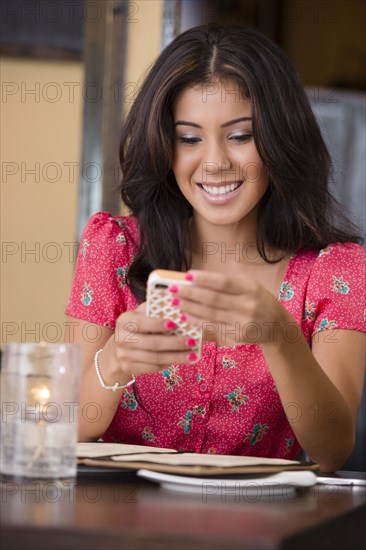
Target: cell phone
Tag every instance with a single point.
(159, 304)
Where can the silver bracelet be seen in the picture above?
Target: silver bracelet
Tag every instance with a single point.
(116, 385)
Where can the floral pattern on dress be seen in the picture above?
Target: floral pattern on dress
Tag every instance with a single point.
(121, 223)
(325, 251)
(339, 285)
(199, 410)
(121, 277)
(120, 238)
(237, 398)
(185, 422)
(309, 312)
(286, 291)
(257, 433)
(147, 434)
(86, 296)
(289, 444)
(326, 324)
(171, 377)
(128, 399)
(84, 248)
(228, 362)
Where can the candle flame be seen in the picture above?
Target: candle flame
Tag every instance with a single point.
(40, 394)
(44, 394)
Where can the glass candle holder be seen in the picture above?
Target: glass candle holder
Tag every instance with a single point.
(39, 409)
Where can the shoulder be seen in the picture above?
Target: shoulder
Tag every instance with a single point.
(336, 288)
(108, 242)
(99, 292)
(103, 226)
(341, 266)
(341, 253)
(338, 262)
(348, 256)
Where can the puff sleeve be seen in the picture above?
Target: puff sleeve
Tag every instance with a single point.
(99, 293)
(336, 289)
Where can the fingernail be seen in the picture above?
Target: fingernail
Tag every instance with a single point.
(192, 356)
(191, 342)
(183, 318)
(170, 325)
(175, 302)
(189, 277)
(173, 288)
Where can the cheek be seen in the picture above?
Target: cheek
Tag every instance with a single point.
(182, 167)
(254, 170)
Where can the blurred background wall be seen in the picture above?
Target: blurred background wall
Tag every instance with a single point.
(44, 91)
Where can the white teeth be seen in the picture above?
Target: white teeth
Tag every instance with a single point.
(221, 190)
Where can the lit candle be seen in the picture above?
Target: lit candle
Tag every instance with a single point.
(41, 395)
(37, 396)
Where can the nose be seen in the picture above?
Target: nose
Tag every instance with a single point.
(215, 159)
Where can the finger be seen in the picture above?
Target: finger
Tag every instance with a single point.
(201, 295)
(198, 313)
(135, 321)
(227, 283)
(163, 342)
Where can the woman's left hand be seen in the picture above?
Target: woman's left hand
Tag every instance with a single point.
(236, 308)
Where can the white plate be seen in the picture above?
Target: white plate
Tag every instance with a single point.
(282, 483)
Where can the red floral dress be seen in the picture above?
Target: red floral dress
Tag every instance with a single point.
(227, 403)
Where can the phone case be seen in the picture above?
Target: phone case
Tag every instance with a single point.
(159, 304)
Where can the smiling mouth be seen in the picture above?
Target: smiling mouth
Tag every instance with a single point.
(222, 189)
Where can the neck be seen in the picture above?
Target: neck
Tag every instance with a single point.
(224, 246)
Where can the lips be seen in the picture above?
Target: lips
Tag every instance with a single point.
(221, 189)
(219, 193)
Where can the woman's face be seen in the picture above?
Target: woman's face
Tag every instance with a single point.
(216, 163)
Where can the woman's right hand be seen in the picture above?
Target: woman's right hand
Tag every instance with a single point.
(146, 344)
(139, 344)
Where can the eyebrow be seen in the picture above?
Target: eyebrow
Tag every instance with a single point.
(229, 123)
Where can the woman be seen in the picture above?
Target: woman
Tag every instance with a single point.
(225, 173)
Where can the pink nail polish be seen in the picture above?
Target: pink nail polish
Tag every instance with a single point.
(183, 318)
(170, 325)
(189, 277)
(174, 289)
(191, 342)
(175, 302)
(192, 356)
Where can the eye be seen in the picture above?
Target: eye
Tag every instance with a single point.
(189, 140)
(240, 138)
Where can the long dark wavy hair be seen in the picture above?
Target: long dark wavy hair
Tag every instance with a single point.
(297, 212)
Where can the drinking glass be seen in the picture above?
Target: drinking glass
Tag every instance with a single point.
(39, 409)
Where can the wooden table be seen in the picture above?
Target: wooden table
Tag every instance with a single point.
(121, 511)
